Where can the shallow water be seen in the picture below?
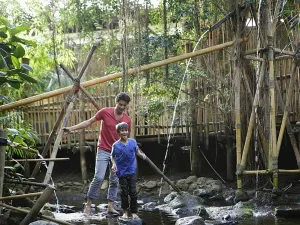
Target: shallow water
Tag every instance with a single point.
(161, 218)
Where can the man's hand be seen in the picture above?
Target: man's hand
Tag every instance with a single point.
(114, 168)
(66, 130)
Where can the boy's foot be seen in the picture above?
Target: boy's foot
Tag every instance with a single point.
(134, 216)
(125, 214)
(87, 210)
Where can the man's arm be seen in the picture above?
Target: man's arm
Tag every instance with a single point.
(81, 125)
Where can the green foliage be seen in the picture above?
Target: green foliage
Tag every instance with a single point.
(12, 71)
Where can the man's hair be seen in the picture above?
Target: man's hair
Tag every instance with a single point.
(121, 126)
(123, 96)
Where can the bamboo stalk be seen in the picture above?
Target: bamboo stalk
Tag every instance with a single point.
(20, 196)
(38, 160)
(3, 143)
(57, 141)
(119, 74)
(41, 216)
(253, 116)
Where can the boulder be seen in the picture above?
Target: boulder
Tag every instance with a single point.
(41, 222)
(191, 220)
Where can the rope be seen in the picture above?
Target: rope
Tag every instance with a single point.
(212, 167)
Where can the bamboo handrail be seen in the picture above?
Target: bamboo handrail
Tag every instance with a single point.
(20, 196)
(119, 74)
(38, 160)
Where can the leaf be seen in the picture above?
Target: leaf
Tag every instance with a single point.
(23, 41)
(3, 62)
(2, 80)
(19, 52)
(18, 29)
(4, 99)
(26, 67)
(15, 62)
(3, 35)
(14, 83)
(27, 78)
(4, 21)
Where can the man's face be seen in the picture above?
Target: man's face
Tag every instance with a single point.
(121, 106)
(124, 133)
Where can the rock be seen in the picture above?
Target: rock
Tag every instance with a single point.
(150, 184)
(182, 184)
(165, 189)
(190, 179)
(203, 193)
(15, 217)
(42, 222)
(241, 196)
(130, 221)
(104, 185)
(191, 220)
(170, 197)
(185, 200)
(149, 206)
(48, 213)
(288, 211)
(60, 185)
(77, 184)
(220, 222)
(193, 186)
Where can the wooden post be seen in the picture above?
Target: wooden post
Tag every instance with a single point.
(82, 140)
(42, 200)
(21, 196)
(3, 143)
(195, 158)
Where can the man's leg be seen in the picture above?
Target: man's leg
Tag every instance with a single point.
(112, 191)
(124, 195)
(100, 169)
(132, 194)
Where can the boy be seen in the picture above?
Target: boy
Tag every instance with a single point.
(124, 164)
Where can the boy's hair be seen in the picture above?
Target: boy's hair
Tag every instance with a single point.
(123, 96)
(120, 126)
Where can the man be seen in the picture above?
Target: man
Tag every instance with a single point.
(110, 117)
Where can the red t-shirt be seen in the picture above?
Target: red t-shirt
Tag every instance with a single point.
(108, 133)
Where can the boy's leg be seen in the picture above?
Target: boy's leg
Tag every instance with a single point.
(100, 169)
(124, 194)
(112, 191)
(132, 193)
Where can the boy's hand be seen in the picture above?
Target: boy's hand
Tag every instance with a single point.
(114, 168)
(143, 156)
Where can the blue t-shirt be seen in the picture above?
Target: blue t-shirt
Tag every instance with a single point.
(124, 155)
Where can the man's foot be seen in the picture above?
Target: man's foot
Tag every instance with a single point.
(111, 210)
(134, 216)
(87, 210)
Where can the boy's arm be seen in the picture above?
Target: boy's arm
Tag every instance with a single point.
(141, 154)
(113, 161)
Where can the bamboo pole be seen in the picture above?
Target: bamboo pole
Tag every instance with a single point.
(3, 143)
(252, 117)
(38, 160)
(41, 216)
(20, 196)
(285, 119)
(255, 172)
(163, 176)
(119, 75)
(273, 160)
(57, 141)
(26, 183)
(42, 200)
(82, 140)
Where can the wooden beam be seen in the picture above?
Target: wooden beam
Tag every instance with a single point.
(20, 196)
(114, 76)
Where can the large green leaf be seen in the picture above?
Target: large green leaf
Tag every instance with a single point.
(3, 63)
(4, 21)
(15, 62)
(3, 34)
(26, 67)
(27, 78)
(19, 52)
(23, 41)
(18, 29)
(2, 80)
(14, 83)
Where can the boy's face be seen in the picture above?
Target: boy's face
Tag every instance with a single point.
(123, 133)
